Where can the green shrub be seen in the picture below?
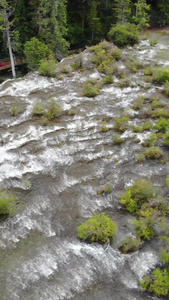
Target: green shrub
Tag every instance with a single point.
(153, 42)
(166, 138)
(162, 125)
(166, 88)
(14, 110)
(157, 282)
(138, 194)
(104, 128)
(160, 76)
(121, 123)
(118, 140)
(134, 64)
(144, 227)
(124, 82)
(123, 35)
(130, 244)
(108, 79)
(160, 113)
(91, 88)
(71, 112)
(156, 104)
(151, 141)
(35, 51)
(148, 72)
(54, 110)
(98, 228)
(39, 109)
(140, 158)
(138, 103)
(65, 70)
(8, 203)
(48, 67)
(154, 152)
(105, 190)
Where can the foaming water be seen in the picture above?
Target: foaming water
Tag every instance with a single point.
(56, 171)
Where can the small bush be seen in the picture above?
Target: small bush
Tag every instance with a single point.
(160, 76)
(14, 110)
(156, 104)
(124, 82)
(48, 67)
(148, 72)
(160, 113)
(134, 64)
(121, 124)
(130, 244)
(140, 158)
(98, 228)
(166, 138)
(154, 152)
(157, 282)
(138, 103)
(44, 121)
(54, 110)
(104, 128)
(8, 203)
(39, 109)
(162, 125)
(151, 141)
(71, 112)
(91, 88)
(138, 194)
(105, 190)
(118, 140)
(108, 79)
(166, 88)
(123, 35)
(153, 42)
(144, 227)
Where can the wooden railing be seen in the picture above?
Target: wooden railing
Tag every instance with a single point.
(7, 64)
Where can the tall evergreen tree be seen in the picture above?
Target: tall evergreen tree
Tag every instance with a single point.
(163, 12)
(123, 10)
(21, 22)
(142, 17)
(52, 25)
(93, 19)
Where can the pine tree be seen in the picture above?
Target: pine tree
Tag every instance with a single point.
(123, 10)
(142, 17)
(21, 22)
(52, 25)
(163, 13)
(93, 19)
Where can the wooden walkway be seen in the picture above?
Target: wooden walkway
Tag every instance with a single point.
(7, 64)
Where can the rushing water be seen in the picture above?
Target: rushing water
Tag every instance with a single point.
(56, 170)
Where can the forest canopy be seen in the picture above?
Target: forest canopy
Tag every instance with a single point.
(67, 24)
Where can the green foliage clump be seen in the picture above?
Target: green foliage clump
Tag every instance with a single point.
(35, 51)
(160, 76)
(160, 113)
(54, 110)
(154, 152)
(162, 125)
(118, 140)
(124, 82)
(136, 195)
(98, 228)
(48, 67)
(140, 158)
(121, 123)
(153, 42)
(14, 110)
(104, 128)
(138, 103)
(157, 282)
(156, 104)
(108, 79)
(8, 203)
(144, 226)
(105, 190)
(134, 64)
(166, 88)
(91, 88)
(123, 35)
(151, 141)
(130, 244)
(39, 109)
(72, 112)
(166, 138)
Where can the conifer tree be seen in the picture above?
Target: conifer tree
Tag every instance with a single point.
(123, 10)
(142, 17)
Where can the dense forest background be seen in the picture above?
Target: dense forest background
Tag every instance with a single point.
(69, 24)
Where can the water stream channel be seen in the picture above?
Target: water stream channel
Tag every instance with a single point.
(56, 170)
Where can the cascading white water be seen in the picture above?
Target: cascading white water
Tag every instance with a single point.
(56, 170)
